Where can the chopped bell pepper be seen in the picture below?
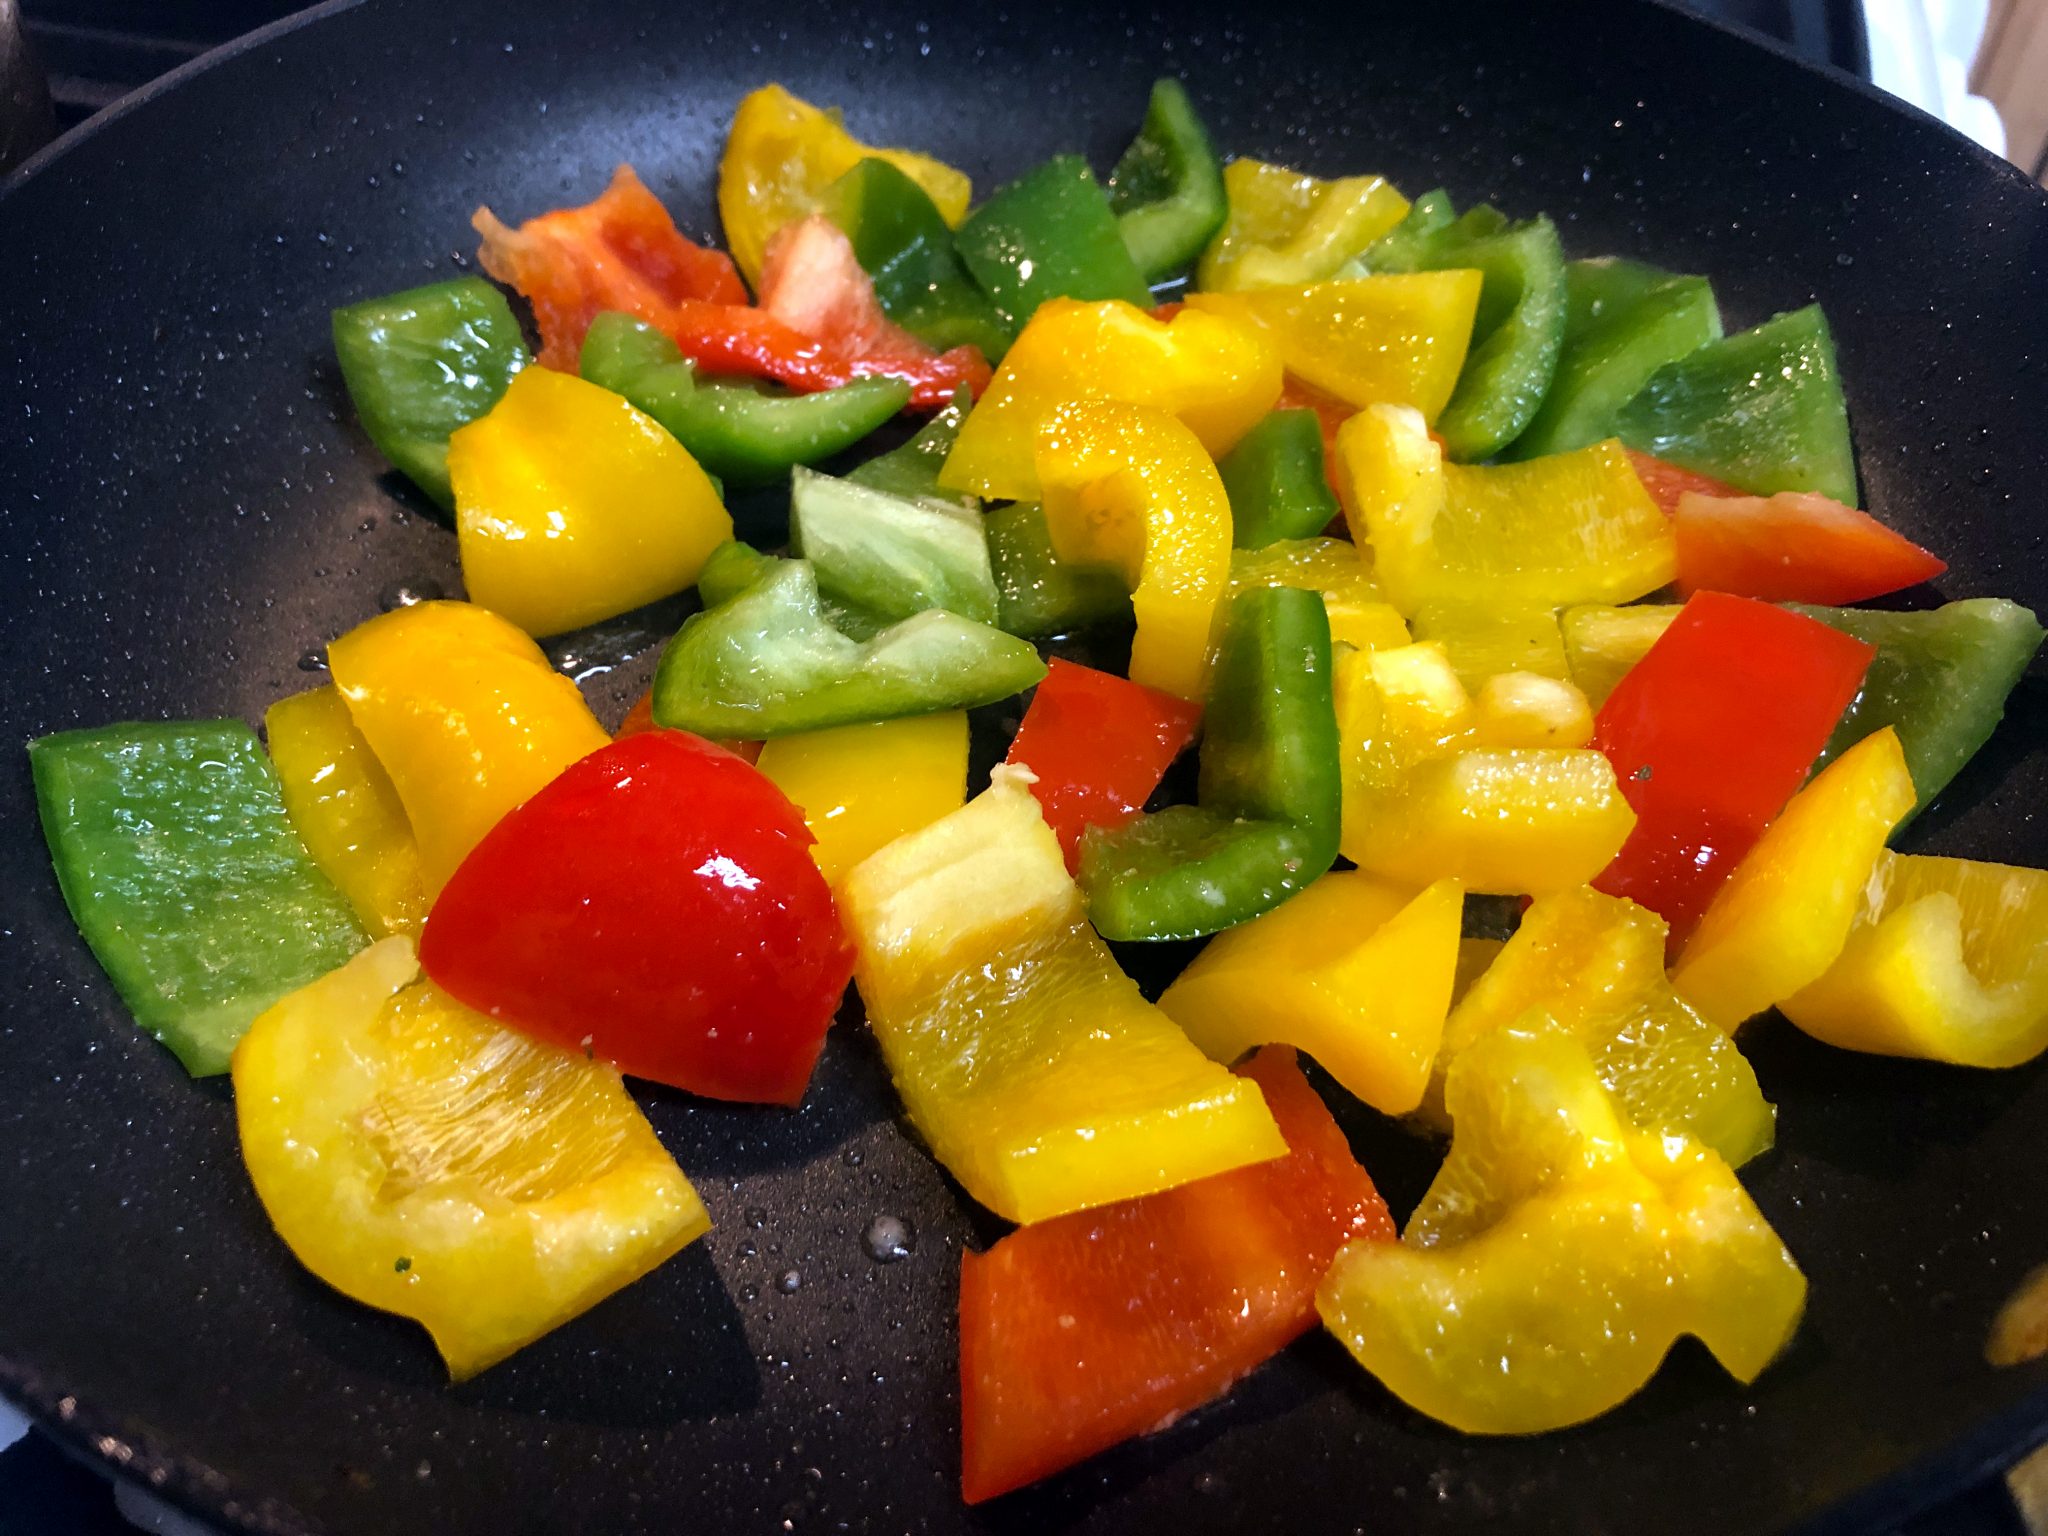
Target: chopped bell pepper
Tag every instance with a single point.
(1417, 233)
(620, 252)
(1358, 615)
(781, 156)
(729, 570)
(734, 431)
(1038, 594)
(1049, 234)
(905, 245)
(891, 556)
(1093, 1328)
(1399, 338)
(1668, 483)
(1275, 480)
(912, 468)
(1166, 190)
(1355, 971)
(1796, 546)
(426, 1161)
(1031, 1065)
(861, 787)
(1783, 916)
(1574, 527)
(1709, 734)
(422, 363)
(1623, 322)
(1593, 965)
(466, 716)
(1130, 487)
(770, 663)
(1217, 376)
(1527, 709)
(1602, 642)
(1486, 640)
(571, 506)
(178, 861)
(1558, 1256)
(1762, 410)
(1947, 961)
(1097, 746)
(1285, 229)
(347, 813)
(1269, 791)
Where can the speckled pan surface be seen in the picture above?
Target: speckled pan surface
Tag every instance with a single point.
(189, 511)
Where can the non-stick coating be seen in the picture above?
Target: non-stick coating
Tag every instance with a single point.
(189, 511)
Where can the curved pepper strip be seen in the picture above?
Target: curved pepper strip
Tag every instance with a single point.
(1166, 190)
(1032, 1066)
(1558, 1256)
(1286, 229)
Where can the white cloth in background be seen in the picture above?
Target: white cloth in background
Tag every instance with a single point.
(1920, 50)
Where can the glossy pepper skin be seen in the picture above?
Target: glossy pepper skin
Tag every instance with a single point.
(426, 1161)
(655, 906)
(860, 787)
(1285, 229)
(1796, 546)
(734, 431)
(1269, 793)
(1039, 595)
(1274, 478)
(571, 506)
(1049, 234)
(422, 363)
(180, 866)
(1710, 734)
(1558, 1256)
(1359, 614)
(466, 716)
(1090, 1329)
(1030, 1064)
(1167, 188)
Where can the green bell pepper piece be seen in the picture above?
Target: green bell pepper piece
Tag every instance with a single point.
(769, 662)
(1762, 410)
(737, 432)
(421, 363)
(901, 240)
(1167, 188)
(1049, 235)
(1624, 322)
(182, 870)
(1269, 790)
(1275, 481)
(1039, 595)
(912, 468)
(892, 556)
(1409, 244)
(1940, 678)
(730, 569)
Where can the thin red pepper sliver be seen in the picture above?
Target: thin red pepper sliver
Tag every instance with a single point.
(1667, 482)
(1794, 547)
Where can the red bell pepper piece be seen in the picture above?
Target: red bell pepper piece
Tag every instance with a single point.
(1666, 482)
(1795, 547)
(1083, 1331)
(657, 906)
(1100, 745)
(1710, 734)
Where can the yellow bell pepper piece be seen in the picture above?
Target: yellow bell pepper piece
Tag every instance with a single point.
(863, 786)
(1558, 1256)
(571, 506)
(1567, 528)
(1486, 640)
(1219, 377)
(782, 153)
(1784, 915)
(1359, 616)
(1355, 971)
(464, 714)
(1399, 338)
(1602, 642)
(1033, 1067)
(426, 1161)
(1593, 964)
(347, 814)
(1523, 709)
(1948, 961)
(1286, 229)
(1130, 487)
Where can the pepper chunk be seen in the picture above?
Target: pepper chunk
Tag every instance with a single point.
(1794, 546)
(860, 787)
(465, 715)
(1037, 593)
(891, 556)
(571, 506)
(1286, 230)
(1275, 480)
(1355, 970)
(1558, 1256)
(1602, 642)
(906, 246)
(180, 866)
(1167, 190)
(1050, 234)
(1093, 1328)
(1131, 488)
(426, 1161)
(1029, 1063)
(1097, 746)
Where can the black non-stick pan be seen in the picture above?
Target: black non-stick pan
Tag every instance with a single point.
(190, 513)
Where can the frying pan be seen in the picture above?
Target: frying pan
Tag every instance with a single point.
(190, 514)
